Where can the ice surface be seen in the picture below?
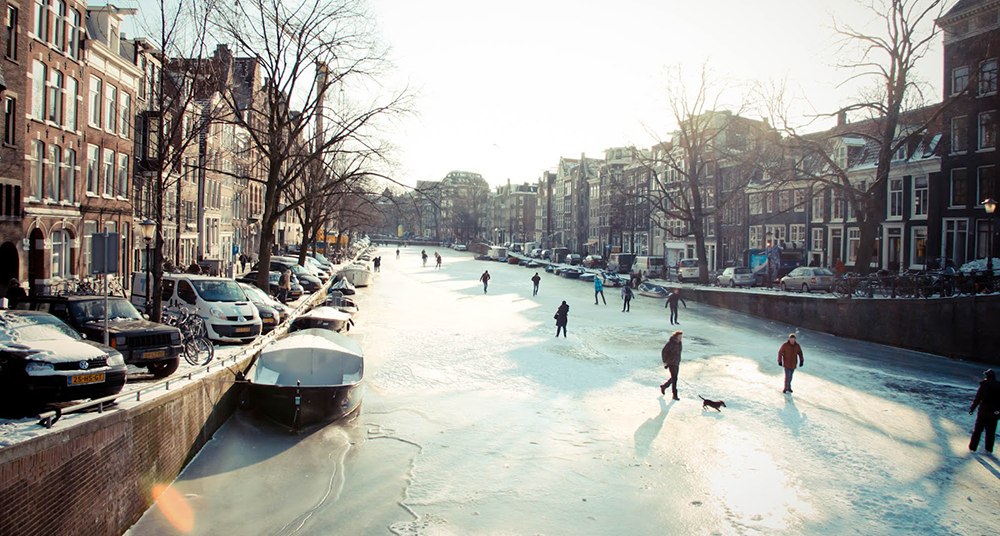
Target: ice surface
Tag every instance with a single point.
(478, 421)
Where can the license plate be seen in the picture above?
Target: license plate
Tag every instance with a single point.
(154, 355)
(81, 379)
(267, 320)
(242, 330)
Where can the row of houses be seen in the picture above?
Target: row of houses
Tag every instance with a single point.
(931, 205)
(79, 150)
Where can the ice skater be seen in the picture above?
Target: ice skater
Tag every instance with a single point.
(671, 356)
(627, 298)
(437, 261)
(377, 262)
(562, 315)
(423, 255)
(599, 289)
(397, 254)
(535, 280)
(988, 400)
(485, 278)
(672, 300)
(789, 353)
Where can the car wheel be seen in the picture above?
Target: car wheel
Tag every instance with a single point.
(163, 369)
(805, 288)
(784, 288)
(732, 284)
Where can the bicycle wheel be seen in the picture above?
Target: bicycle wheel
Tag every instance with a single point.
(198, 351)
(885, 286)
(842, 289)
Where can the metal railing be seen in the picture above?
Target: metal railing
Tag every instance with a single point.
(49, 418)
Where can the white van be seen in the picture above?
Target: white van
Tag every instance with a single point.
(649, 267)
(688, 270)
(229, 315)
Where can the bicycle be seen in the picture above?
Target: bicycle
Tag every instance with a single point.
(198, 350)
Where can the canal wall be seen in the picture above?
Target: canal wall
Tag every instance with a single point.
(95, 477)
(959, 328)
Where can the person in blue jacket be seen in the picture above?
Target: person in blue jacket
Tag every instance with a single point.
(599, 289)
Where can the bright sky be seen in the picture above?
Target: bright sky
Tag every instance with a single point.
(506, 88)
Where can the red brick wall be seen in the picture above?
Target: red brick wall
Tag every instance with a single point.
(95, 478)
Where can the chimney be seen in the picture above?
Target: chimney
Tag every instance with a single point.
(841, 118)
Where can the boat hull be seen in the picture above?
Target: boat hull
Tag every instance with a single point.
(300, 407)
(359, 277)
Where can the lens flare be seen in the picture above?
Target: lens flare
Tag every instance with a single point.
(174, 507)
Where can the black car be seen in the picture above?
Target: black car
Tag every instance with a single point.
(43, 360)
(156, 347)
(309, 282)
(274, 284)
(271, 312)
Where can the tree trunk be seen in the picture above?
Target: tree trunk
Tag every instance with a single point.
(156, 303)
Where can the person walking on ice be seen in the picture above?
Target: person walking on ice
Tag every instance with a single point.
(988, 400)
(672, 300)
(397, 254)
(788, 354)
(599, 289)
(423, 255)
(627, 297)
(671, 356)
(437, 260)
(562, 315)
(485, 278)
(535, 279)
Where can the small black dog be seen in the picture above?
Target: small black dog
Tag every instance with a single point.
(714, 404)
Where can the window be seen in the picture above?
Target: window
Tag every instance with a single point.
(988, 130)
(959, 79)
(58, 23)
(837, 212)
(122, 175)
(775, 234)
(38, 73)
(853, 242)
(52, 160)
(920, 200)
(982, 239)
(109, 172)
(126, 115)
(918, 246)
(95, 102)
(72, 89)
(89, 228)
(10, 120)
(797, 233)
(988, 77)
(755, 204)
(93, 164)
(784, 200)
(12, 30)
(111, 102)
(896, 198)
(37, 169)
(954, 244)
(799, 200)
(817, 207)
(73, 31)
(986, 184)
(61, 243)
(69, 176)
(55, 97)
(959, 134)
(959, 188)
(817, 239)
(41, 20)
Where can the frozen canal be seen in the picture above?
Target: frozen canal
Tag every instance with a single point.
(477, 421)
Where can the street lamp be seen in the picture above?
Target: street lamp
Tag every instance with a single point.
(147, 227)
(990, 205)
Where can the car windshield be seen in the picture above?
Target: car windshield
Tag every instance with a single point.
(27, 328)
(219, 290)
(254, 293)
(822, 271)
(90, 310)
(321, 258)
(743, 271)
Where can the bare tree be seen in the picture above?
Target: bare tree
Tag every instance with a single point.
(888, 114)
(302, 51)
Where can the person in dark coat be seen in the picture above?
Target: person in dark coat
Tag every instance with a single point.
(194, 268)
(562, 315)
(988, 401)
(15, 293)
(789, 353)
(535, 279)
(485, 278)
(671, 355)
(627, 297)
(672, 300)
(377, 261)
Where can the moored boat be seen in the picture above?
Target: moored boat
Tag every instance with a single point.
(323, 318)
(358, 274)
(307, 377)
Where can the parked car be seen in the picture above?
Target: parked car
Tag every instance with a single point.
(652, 290)
(460, 247)
(735, 276)
(806, 279)
(621, 262)
(536, 253)
(545, 254)
(573, 259)
(274, 284)
(155, 347)
(309, 282)
(270, 314)
(43, 360)
(649, 267)
(688, 270)
(593, 261)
